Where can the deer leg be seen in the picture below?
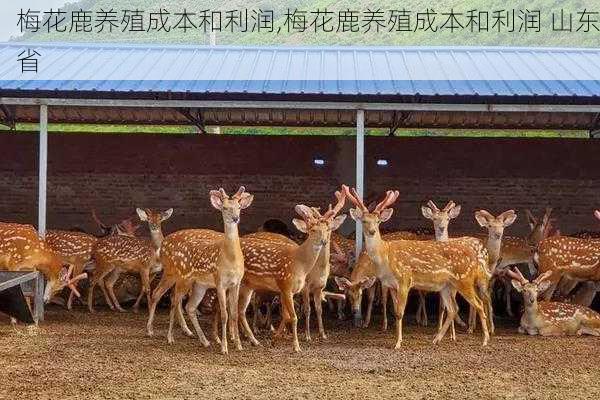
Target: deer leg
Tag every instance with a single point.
(107, 299)
(245, 297)
(422, 309)
(181, 320)
(191, 307)
(470, 294)
(507, 298)
(371, 300)
(145, 280)
(98, 277)
(287, 300)
(234, 296)
(319, 312)
(585, 330)
(340, 305)
(177, 297)
(110, 284)
(269, 317)
(306, 307)
(215, 324)
(222, 295)
(384, 299)
(164, 285)
(255, 312)
(399, 297)
(70, 301)
(447, 302)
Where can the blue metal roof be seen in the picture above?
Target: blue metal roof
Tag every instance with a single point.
(345, 71)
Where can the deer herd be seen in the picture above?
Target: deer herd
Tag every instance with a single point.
(230, 272)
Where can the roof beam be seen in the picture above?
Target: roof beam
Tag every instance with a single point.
(302, 105)
(197, 119)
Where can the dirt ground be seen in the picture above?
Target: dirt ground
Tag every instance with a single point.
(107, 355)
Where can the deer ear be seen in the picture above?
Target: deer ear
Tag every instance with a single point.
(216, 199)
(356, 214)
(165, 215)
(597, 214)
(246, 200)
(454, 212)
(482, 219)
(142, 214)
(386, 214)
(367, 283)
(427, 212)
(342, 283)
(517, 285)
(337, 222)
(300, 225)
(508, 217)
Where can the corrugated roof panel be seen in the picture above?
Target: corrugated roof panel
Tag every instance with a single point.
(389, 71)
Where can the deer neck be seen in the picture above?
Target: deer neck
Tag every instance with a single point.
(307, 254)
(157, 238)
(494, 246)
(376, 248)
(323, 260)
(231, 240)
(441, 236)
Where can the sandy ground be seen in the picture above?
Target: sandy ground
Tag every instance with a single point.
(107, 355)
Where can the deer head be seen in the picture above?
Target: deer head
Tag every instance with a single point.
(63, 277)
(353, 292)
(124, 228)
(231, 207)
(530, 290)
(154, 220)
(371, 219)
(441, 218)
(495, 225)
(540, 229)
(319, 226)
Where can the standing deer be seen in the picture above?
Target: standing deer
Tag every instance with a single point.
(22, 249)
(283, 267)
(549, 318)
(191, 262)
(117, 253)
(574, 259)
(442, 267)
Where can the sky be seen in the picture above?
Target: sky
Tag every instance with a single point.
(10, 11)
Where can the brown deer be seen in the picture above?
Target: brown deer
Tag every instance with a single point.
(572, 259)
(22, 249)
(118, 253)
(283, 268)
(191, 262)
(434, 266)
(585, 294)
(549, 318)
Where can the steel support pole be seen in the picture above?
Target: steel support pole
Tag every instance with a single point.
(360, 170)
(43, 170)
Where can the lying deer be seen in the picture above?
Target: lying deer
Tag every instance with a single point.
(22, 249)
(548, 318)
(191, 262)
(434, 266)
(283, 267)
(117, 253)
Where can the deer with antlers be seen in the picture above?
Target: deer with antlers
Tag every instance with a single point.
(283, 268)
(434, 266)
(549, 318)
(118, 253)
(193, 263)
(22, 249)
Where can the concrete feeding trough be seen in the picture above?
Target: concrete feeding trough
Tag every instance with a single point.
(15, 288)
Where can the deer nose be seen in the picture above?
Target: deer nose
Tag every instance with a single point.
(235, 220)
(371, 232)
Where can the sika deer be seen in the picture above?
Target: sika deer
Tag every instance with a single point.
(115, 254)
(191, 262)
(22, 249)
(549, 318)
(283, 267)
(435, 266)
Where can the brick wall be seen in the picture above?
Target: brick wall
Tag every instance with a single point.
(116, 173)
